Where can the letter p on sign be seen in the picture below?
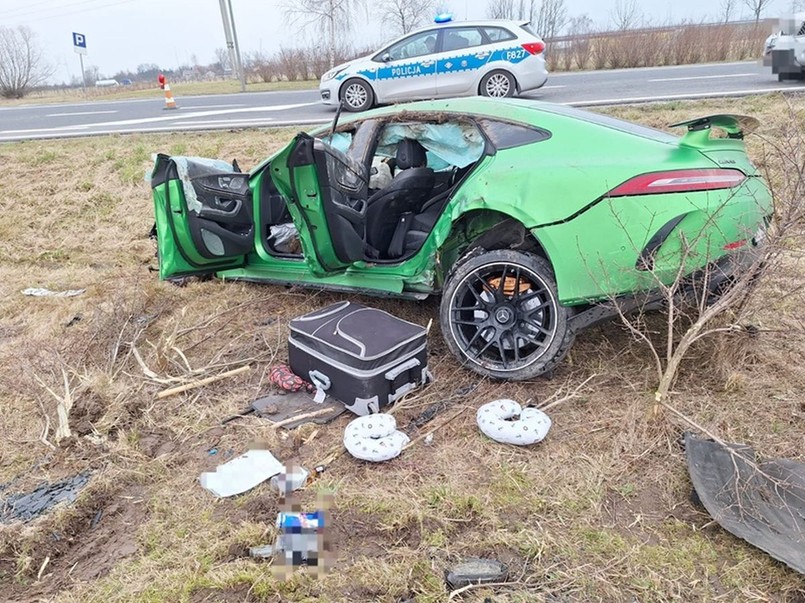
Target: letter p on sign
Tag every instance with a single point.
(79, 43)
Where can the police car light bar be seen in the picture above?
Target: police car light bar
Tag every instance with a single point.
(443, 18)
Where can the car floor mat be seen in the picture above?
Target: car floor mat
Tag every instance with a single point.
(762, 502)
(283, 406)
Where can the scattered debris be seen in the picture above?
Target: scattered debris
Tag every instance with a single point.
(292, 478)
(73, 321)
(505, 421)
(292, 409)
(300, 538)
(36, 292)
(284, 378)
(475, 571)
(30, 505)
(262, 552)
(374, 438)
(430, 433)
(762, 502)
(196, 384)
(241, 474)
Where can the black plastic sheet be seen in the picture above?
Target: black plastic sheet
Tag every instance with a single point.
(760, 501)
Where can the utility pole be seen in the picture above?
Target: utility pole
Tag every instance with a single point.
(232, 41)
(237, 48)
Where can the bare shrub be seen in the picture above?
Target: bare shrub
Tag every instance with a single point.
(22, 65)
(691, 312)
(262, 67)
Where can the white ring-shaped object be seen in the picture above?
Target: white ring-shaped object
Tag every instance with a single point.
(532, 426)
(374, 438)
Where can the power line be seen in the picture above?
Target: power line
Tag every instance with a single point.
(27, 7)
(50, 15)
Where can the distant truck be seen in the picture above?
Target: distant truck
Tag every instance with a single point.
(785, 51)
(106, 83)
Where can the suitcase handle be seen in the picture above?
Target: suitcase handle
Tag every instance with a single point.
(322, 383)
(399, 370)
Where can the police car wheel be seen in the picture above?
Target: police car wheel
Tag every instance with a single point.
(498, 84)
(357, 95)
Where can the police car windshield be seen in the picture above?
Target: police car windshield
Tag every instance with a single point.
(413, 46)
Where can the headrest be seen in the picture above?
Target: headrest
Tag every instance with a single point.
(410, 154)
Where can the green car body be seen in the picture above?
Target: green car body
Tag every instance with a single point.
(575, 189)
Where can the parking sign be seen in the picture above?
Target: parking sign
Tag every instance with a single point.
(79, 43)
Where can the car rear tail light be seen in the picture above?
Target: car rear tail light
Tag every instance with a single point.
(679, 181)
(735, 245)
(534, 47)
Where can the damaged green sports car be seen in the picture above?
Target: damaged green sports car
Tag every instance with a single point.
(529, 219)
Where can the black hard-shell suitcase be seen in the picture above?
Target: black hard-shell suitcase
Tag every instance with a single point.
(362, 356)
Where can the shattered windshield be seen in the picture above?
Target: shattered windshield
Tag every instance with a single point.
(447, 145)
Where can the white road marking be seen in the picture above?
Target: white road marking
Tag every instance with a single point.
(658, 99)
(223, 122)
(147, 129)
(213, 106)
(174, 116)
(79, 113)
(703, 77)
(548, 87)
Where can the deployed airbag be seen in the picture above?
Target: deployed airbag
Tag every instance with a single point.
(762, 502)
(450, 144)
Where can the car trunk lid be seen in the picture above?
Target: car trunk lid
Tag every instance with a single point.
(726, 149)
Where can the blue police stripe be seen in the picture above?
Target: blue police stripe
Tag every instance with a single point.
(466, 62)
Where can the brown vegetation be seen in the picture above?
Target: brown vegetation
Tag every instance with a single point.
(598, 511)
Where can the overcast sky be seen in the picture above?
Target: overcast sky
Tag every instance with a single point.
(122, 34)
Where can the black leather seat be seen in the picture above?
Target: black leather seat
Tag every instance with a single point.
(408, 191)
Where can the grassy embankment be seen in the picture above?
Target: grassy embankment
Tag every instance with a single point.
(598, 511)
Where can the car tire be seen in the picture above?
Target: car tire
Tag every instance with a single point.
(498, 84)
(357, 95)
(501, 317)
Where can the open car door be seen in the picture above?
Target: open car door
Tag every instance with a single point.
(327, 192)
(203, 210)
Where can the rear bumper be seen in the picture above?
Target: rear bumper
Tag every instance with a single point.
(782, 61)
(531, 74)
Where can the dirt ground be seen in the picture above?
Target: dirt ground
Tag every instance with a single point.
(599, 511)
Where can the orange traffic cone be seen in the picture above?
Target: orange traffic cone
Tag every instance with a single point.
(170, 102)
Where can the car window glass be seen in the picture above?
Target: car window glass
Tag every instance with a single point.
(498, 34)
(461, 37)
(506, 135)
(415, 46)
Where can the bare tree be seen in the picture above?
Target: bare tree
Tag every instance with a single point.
(91, 75)
(511, 9)
(627, 14)
(501, 9)
(406, 15)
(222, 57)
(551, 18)
(22, 65)
(757, 7)
(727, 9)
(580, 48)
(333, 17)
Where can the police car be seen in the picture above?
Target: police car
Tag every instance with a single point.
(492, 58)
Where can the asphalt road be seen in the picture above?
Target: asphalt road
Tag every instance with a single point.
(588, 88)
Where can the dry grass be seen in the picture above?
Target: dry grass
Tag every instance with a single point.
(683, 44)
(599, 511)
